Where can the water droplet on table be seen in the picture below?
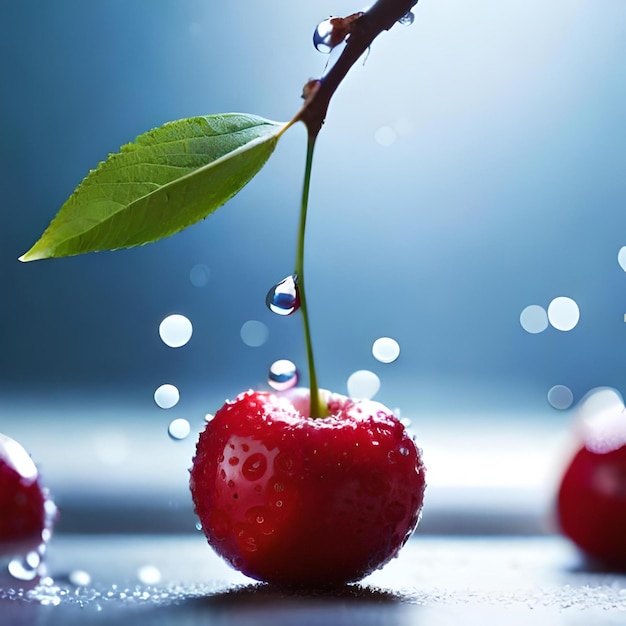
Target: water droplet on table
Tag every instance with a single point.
(25, 568)
(283, 375)
(166, 396)
(79, 578)
(284, 297)
(149, 574)
(175, 330)
(179, 429)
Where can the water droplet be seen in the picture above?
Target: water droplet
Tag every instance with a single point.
(149, 574)
(534, 319)
(363, 384)
(199, 275)
(179, 429)
(175, 330)
(386, 349)
(283, 375)
(621, 257)
(407, 19)
(403, 451)
(79, 578)
(208, 417)
(563, 313)
(254, 467)
(322, 37)
(254, 333)
(283, 298)
(560, 397)
(166, 396)
(26, 567)
(199, 526)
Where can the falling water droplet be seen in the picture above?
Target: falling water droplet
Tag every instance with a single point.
(322, 37)
(407, 19)
(175, 330)
(283, 375)
(363, 384)
(284, 298)
(179, 429)
(386, 350)
(166, 396)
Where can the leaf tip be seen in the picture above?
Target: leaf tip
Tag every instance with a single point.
(32, 255)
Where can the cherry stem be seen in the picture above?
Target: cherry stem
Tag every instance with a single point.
(315, 405)
(317, 94)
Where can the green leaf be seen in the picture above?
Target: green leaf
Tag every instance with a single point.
(168, 179)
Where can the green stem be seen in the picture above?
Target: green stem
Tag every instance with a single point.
(315, 406)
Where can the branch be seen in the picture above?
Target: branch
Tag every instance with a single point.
(363, 30)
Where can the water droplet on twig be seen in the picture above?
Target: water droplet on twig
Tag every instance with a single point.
(407, 19)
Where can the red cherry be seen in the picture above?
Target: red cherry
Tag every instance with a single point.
(291, 500)
(23, 516)
(591, 500)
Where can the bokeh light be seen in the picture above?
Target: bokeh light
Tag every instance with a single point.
(175, 330)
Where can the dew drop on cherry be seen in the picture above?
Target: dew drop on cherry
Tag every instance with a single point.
(284, 298)
(407, 19)
(283, 375)
(254, 467)
(322, 37)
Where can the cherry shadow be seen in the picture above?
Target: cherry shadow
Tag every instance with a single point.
(262, 604)
(261, 593)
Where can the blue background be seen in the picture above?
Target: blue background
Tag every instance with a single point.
(504, 187)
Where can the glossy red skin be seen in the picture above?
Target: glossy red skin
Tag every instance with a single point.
(296, 501)
(591, 504)
(22, 510)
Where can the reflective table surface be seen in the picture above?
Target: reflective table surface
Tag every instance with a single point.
(177, 579)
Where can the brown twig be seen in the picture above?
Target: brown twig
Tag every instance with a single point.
(363, 30)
